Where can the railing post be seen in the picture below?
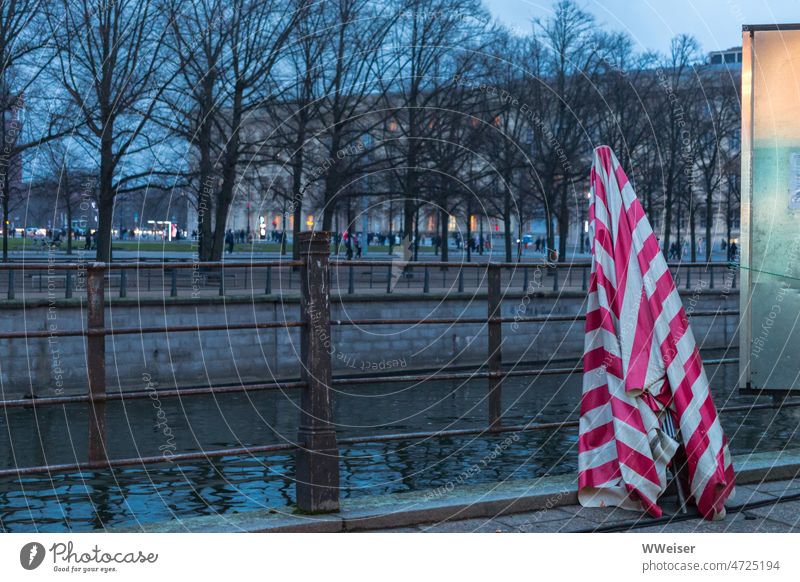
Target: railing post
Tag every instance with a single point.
(123, 283)
(221, 281)
(96, 360)
(555, 278)
(494, 359)
(461, 280)
(711, 268)
(426, 285)
(584, 286)
(268, 284)
(11, 292)
(688, 277)
(389, 279)
(317, 458)
(351, 283)
(525, 280)
(68, 285)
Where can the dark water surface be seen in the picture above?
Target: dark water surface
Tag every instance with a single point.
(125, 497)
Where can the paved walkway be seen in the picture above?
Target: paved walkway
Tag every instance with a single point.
(769, 517)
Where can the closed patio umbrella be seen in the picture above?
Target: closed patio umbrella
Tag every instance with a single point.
(645, 391)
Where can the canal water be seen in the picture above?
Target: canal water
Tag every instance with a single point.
(127, 497)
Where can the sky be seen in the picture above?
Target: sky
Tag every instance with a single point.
(717, 24)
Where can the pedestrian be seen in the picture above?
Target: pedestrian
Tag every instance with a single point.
(733, 249)
(229, 240)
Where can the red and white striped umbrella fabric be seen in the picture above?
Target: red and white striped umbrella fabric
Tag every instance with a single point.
(641, 363)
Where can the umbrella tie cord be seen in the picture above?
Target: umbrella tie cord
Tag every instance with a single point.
(762, 272)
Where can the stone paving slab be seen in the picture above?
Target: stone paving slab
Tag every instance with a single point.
(787, 513)
(774, 518)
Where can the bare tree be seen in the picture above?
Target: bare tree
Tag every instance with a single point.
(676, 93)
(110, 57)
(225, 53)
(426, 43)
(565, 66)
(24, 58)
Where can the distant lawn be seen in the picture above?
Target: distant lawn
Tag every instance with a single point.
(184, 246)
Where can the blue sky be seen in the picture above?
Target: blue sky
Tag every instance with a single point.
(717, 24)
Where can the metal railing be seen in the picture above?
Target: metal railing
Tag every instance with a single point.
(317, 445)
(182, 278)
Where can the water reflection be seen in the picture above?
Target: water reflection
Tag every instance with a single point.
(125, 497)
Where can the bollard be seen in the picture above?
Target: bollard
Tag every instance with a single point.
(11, 294)
(268, 284)
(317, 457)
(584, 286)
(494, 358)
(221, 281)
(68, 285)
(525, 280)
(123, 283)
(173, 289)
(711, 268)
(555, 278)
(426, 285)
(461, 280)
(389, 279)
(96, 361)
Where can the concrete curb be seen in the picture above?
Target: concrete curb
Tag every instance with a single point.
(439, 505)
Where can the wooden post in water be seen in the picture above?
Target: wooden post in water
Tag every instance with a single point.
(494, 358)
(96, 361)
(318, 454)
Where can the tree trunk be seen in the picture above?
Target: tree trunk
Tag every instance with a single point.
(563, 224)
(507, 224)
(709, 217)
(6, 218)
(298, 162)
(106, 197)
(228, 177)
(444, 224)
(468, 242)
(69, 225)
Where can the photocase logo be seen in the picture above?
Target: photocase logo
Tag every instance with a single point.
(31, 555)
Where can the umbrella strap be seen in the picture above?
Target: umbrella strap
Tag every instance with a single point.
(762, 272)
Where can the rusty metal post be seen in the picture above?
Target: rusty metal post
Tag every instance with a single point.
(96, 360)
(494, 359)
(317, 456)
